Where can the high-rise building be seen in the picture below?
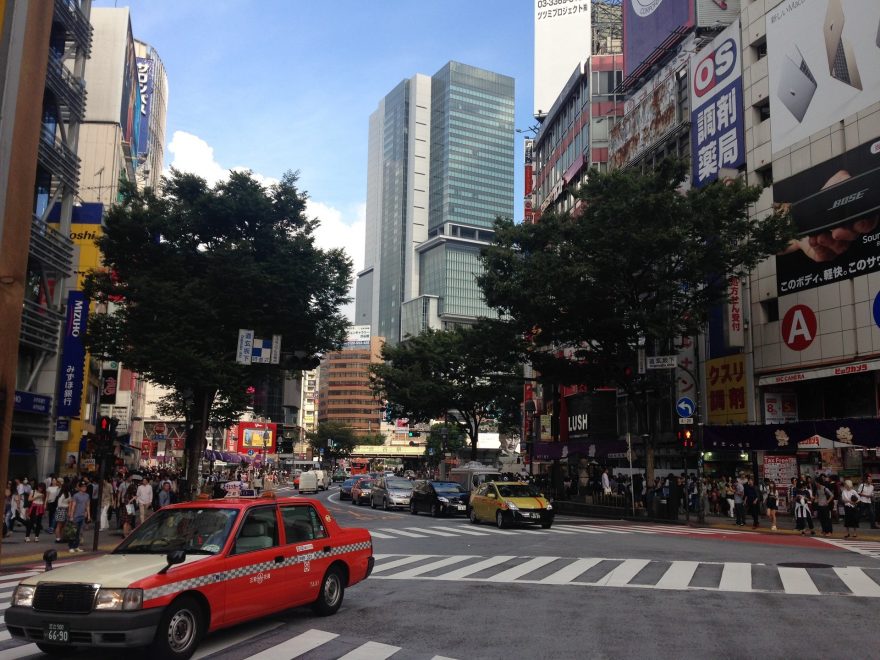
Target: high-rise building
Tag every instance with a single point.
(440, 171)
(43, 51)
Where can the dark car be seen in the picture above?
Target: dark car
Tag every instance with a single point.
(439, 498)
(345, 488)
(361, 491)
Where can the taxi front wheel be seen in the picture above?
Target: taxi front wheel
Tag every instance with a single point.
(180, 630)
(332, 592)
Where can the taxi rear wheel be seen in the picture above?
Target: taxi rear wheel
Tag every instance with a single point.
(180, 630)
(331, 594)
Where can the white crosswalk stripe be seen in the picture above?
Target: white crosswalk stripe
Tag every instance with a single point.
(732, 577)
(864, 547)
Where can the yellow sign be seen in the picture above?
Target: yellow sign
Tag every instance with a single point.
(726, 396)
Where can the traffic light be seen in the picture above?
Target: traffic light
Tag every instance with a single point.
(415, 434)
(106, 433)
(686, 438)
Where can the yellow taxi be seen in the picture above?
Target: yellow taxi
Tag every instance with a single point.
(509, 502)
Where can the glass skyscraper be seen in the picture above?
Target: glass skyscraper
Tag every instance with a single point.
(440, 171)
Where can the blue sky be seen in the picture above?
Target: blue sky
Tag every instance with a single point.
(276, 85)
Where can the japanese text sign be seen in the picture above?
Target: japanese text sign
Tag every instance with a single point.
(726, 390)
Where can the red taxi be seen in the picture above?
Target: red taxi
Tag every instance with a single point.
(190, 569)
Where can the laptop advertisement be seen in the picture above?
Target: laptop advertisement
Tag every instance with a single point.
(836, 208)
(823, 65)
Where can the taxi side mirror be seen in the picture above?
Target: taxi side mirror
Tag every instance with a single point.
(490, 495)
(173, 557)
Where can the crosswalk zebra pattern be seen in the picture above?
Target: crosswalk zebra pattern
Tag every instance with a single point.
(864, 547)
(736, 577)
(466, 529)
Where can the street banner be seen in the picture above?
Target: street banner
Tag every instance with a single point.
(73, 356)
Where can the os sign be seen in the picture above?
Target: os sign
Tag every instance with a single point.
(799, 327)
(714, 69)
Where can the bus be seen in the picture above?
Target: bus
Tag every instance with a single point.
(359, 466)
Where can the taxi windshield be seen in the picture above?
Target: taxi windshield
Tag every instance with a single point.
(518, 490)
(197, 531)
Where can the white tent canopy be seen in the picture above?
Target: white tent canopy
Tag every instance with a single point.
(816, 442)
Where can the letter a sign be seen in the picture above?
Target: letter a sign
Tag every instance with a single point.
(799, 327)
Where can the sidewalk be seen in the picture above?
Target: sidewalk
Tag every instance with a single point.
(786, 526)
(15, 552)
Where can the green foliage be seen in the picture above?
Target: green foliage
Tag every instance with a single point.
(468, 375)
(187, 268)
(372, 439)
(641, 260)
(436, 444)
(343, 438)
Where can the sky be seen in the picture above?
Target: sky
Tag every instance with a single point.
(278, 85)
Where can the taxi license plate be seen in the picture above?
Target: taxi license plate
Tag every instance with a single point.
(460, 507)
(57, 633)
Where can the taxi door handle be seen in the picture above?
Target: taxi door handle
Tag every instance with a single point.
(279, 559)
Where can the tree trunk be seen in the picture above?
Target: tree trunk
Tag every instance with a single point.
(474, 438)
(195, 445)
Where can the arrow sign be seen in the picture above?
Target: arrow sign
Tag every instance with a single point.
(685, 407)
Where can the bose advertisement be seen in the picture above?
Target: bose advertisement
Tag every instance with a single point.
(824, 64)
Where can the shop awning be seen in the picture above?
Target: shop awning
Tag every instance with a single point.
(854, 432)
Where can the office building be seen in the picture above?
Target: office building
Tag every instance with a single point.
(440, 170)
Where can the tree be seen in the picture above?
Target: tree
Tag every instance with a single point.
(443, 438)
(643, 261)
(338, 440)
(466, 376)
(187, 267)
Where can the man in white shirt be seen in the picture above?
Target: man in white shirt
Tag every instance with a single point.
(144, 499)
(866, 500)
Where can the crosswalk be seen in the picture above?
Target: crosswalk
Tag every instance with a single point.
(736, 577)
(864, 547)
(464, 528)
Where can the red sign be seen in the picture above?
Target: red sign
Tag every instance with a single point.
(159, 427)
(257, 436)
(799, 327)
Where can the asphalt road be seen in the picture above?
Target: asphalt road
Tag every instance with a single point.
(444, 588)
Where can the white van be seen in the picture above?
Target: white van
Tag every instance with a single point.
(323, 479)
(308, 482)
(472, 475)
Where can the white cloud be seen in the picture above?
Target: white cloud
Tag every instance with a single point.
(345, 229)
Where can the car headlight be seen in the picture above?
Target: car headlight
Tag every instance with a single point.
(549, 507)
(119, 599)
(443, 499)
(512, 506)
(23, 596)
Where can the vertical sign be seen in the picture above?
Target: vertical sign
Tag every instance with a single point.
(276, 349)
(726, 384)
(109, 383)
(73, 356)
(734, 331)
(717, 135)
(145, 85)
(245, 346)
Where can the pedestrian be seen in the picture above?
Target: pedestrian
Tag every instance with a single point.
(752, 501)
(7, 509)
(730, 497)
(807, 497)
(129, 499)
(850, 509)
(739, 495)
(36, 510)
(866, 501)
(19, 507)
(606, 482)
(824, 499)
(144, 499)
(772, 503)
(52, 491)
(106, 503)
(79, 512)
(165, 495)
(802, 514)
(63, 503)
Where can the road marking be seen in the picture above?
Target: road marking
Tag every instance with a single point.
(4, 635)
(678, 575)
(434, 565)
(468, 532)
(218, 642)
(621, 575)
(556, 530)
(797, 581)
(736, 576)
(380, 535)
(371, 651)
(430, 531)
(18, 576)
(403, 533)
(401, 562)
(296, 646)
(523, 569)
(857, 582)
(6, 594)
(578, 530)
(19, 652)
(570, 572)
(476, 568)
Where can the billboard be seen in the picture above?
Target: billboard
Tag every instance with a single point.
(711, 13)
(562, 42)
(726, 385)
(109, 383)
(145, 86)
(257, 437)
(716, 92)
(836, 207)
(649, 25)
(130, 101)
(73, 356)
(822, 65)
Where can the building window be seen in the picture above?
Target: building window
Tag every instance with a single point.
(770, 310)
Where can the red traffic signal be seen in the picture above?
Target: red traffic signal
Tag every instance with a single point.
(686, 438)
(104, 424)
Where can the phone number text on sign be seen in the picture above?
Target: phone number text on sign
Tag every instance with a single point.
(558, 8)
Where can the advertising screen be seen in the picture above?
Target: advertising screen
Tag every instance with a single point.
(145, 85)
(562, 42)
(717, 128)
(823, 57)
(835, 206)
(650, 24)
(254, 437)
